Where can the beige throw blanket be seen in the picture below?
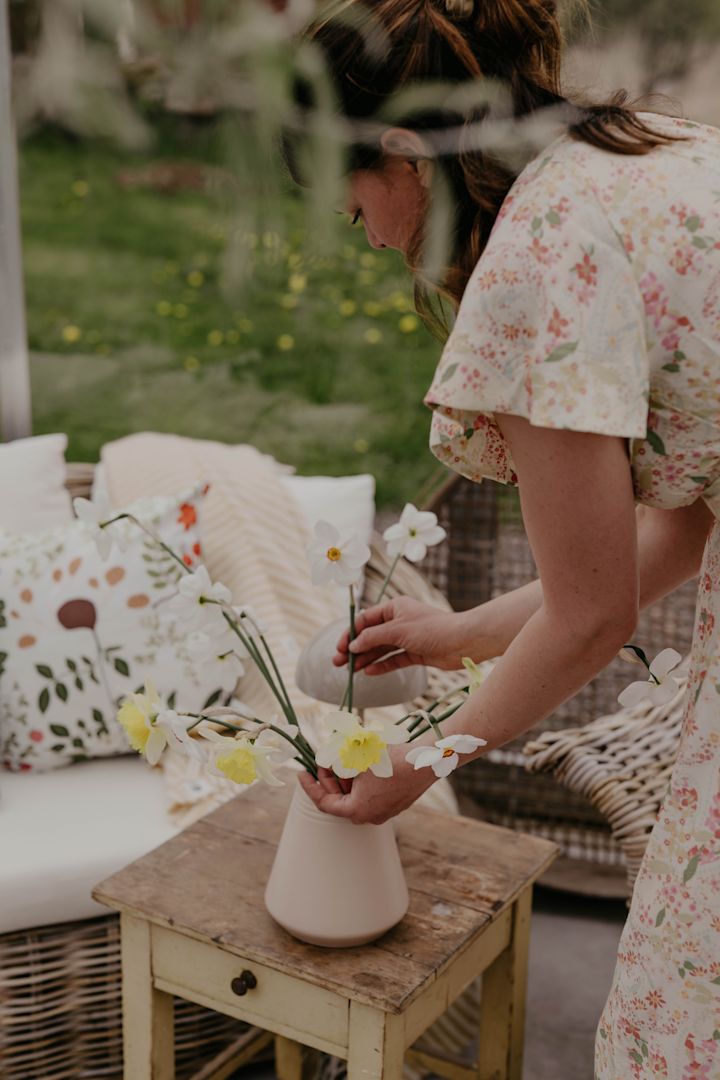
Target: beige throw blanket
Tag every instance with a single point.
(254, 542)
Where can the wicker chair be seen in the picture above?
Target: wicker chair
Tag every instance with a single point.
(488, 554)
(60, 985)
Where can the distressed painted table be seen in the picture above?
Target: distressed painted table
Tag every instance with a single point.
(194, 925)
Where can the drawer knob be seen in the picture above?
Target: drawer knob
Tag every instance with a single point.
(243, 982)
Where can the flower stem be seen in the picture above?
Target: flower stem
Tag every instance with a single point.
(386, 582)
(348, 695)
(434, 724)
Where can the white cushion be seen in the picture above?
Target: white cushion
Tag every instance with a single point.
(63, 832)
(33, 495)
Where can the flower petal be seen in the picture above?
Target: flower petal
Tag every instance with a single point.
(415, 550)
(664, 662)
(634, 694)
(383, 767)
(462, 744)
(665, 692)
(446, 765)
(157, 741)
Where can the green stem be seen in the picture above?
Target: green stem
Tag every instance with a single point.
(386, 582)
(434, 724)
(348, 695)
(153, 536)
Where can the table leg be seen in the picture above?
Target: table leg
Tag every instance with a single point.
(376, 1044)
(288, 1059)
(502, 1003)
(148, 1023)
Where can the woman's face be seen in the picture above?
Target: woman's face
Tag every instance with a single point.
(390, 201)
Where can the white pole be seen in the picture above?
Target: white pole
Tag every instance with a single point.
(15, 409)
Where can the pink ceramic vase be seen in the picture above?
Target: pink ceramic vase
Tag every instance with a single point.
(334, 883)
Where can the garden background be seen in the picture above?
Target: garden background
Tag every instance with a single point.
(138, 320)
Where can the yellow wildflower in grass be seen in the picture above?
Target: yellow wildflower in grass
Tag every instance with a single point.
(373, 336)
(286, 342)
(408, 323)
(297, 282)
(361, 446)
(347, 307)
(366, 277)
(191, 363)
(239, 764)
(399, 301)
(294, 260)
(271, 240)
(163, 308)
(244, 325)
(180, 311)
(288, 302)
(80, 188)
(215, 337)
(71, 333)
(372, 308)
(367, 259)
(195, 278)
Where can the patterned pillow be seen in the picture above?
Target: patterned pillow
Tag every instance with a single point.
(78, 633)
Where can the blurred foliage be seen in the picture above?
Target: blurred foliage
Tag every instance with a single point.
(322, 364)
(669, 31)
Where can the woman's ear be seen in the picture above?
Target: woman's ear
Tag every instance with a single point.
(404, 143)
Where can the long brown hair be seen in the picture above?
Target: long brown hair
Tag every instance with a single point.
(374, 49)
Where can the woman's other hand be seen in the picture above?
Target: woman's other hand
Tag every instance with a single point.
(423, 633)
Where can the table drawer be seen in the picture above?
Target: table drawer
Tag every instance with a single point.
(210, 976)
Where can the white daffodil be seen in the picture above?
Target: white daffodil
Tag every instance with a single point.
(241, 759)
(413, 534)
(351, 748)
(196, 601)
(179, 738)
(216, 641)
(92, 513)
(138, 715)
(333, 559)
(443, 757)
(660, 686)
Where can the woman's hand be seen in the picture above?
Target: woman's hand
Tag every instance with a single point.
(425, 634)
(369, 799)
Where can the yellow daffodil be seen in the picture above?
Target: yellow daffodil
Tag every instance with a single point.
(242, 760)
(351, 748)
(137, 715)
(476, 676)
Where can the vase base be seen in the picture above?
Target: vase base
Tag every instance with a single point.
(348, 941)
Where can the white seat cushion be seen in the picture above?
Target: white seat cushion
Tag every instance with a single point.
(63, 832)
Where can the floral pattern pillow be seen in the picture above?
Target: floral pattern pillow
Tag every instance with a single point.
(77, 634)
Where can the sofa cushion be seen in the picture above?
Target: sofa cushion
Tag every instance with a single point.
(62, 832)
(78, 634)
(33, 495)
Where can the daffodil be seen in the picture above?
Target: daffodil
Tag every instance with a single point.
(413, 534)
(351, 748)
(443, 756)
(242, 760)
(197, 599)
(179, 739)
(475, 675)
(92, 514)
(660, 686)
(138, 715)
(333, 559)
(278, 746)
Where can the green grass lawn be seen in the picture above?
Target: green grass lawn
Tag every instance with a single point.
(135, 324)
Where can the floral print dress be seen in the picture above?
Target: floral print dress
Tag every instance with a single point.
(596, 307)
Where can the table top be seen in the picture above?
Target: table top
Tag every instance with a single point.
(208, 882)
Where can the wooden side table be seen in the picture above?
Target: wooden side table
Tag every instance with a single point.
(194, 925)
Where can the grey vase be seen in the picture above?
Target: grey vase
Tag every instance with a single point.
(317, 676)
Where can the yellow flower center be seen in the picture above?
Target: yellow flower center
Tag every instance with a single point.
(239, 765)
(334, 554)
(448, 752)
(133, 720)
(361, 750)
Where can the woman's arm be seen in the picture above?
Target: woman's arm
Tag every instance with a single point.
(670, 550)
(578, 507)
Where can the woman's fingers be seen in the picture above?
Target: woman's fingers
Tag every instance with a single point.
(338, 803)
(382, 667)
(369, 617)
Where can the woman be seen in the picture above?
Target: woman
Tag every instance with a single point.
(584, 365)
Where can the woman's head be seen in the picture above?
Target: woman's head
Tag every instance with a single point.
(412, 80)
